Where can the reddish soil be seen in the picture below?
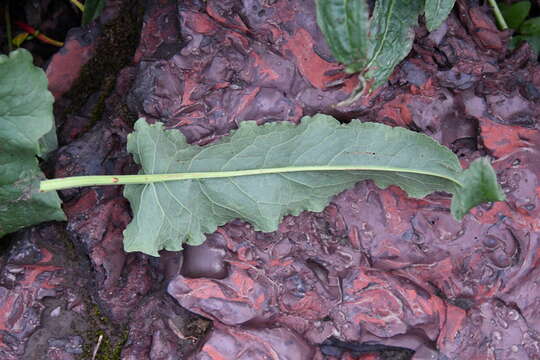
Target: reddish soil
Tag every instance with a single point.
(376, 275)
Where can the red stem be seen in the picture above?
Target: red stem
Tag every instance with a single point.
(42, 37)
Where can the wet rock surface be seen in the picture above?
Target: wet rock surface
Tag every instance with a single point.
(375, 268)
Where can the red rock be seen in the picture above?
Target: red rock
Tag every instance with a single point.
(375, 265)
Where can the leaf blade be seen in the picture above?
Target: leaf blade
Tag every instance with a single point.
(530, 26)
(436, 11)
(516, 13)
(92, 10)
(533, 40)
(392, 36)
(182, 211)
(25, 118)
(479, 186)
(344, 24)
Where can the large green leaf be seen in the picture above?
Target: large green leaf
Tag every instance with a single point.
(392, 36)
(437, 11)
(345, 24)
(304, 166)
(25, 117)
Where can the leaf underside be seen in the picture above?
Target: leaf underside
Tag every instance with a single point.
(26, 116)
(167, 214)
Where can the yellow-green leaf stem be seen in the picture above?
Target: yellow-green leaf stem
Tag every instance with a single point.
(80, 181)
(498, 15)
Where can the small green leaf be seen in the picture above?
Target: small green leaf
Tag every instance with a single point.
(296, 168)
(436, 12)
(345, 25)
(392, 36)
(533, 40)
(516, 13)
(530, 27)
(25, 117)
(92, 10)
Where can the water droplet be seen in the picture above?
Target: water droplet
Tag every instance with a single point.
(487, 206)
(500, 259)
(56, 312)
(513, 315)
(490, 241)
(503, 324)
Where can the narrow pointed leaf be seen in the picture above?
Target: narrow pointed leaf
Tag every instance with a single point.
(25, 117)
(436, 12)
(392, 36)
(92, 10)
(305, 166)
(345, 25)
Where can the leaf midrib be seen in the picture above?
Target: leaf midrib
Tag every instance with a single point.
(77, 181)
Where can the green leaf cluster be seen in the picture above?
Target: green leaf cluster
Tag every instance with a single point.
(375, 45)
(26, 130)
(526, 29)
(298, 167)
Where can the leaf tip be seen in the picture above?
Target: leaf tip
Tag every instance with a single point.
(479, 186)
